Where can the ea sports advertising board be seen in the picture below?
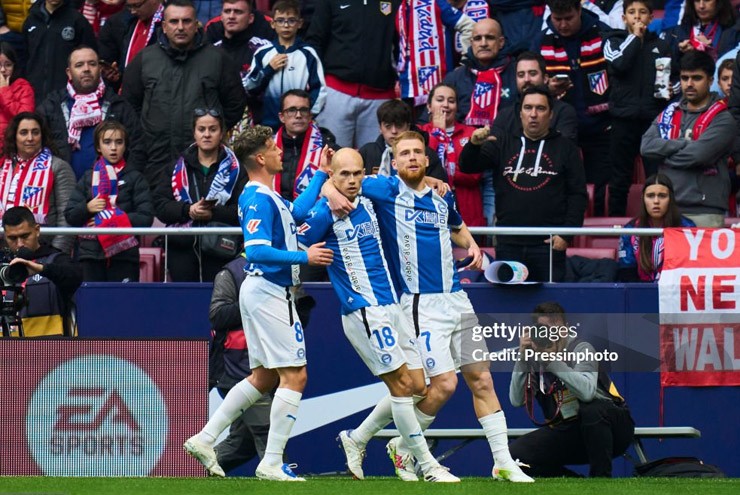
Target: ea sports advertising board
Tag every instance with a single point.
(101, 407)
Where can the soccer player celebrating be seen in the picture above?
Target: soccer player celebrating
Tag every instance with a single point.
(277, 351)
(417, 227)
(372, 319)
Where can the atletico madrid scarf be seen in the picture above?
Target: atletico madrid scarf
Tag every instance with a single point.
(105, 186)
(421, 59)
(27, 183)
(669, 121)
(711, 32)
(138, 40)
(308, 162)
(85, 112)
(485, 98)
(476, 10)
(222, 185)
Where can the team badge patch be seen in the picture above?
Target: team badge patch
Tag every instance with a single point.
(303, 229)
(385, 8)
(483, 94)
(426, 75)
(430, 363)
(386, 359)
(252, 226)
(598, 82)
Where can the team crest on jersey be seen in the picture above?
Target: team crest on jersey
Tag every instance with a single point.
(386, 359)
(252, 226)
(430, 363)
(385, 8)
(598, 82)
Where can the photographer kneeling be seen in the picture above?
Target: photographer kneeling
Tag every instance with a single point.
(586, 420)
(50, 281)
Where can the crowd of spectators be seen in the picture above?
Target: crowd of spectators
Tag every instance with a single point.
(633, 98)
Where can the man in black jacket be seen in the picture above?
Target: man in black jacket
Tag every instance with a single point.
(166, 82)
(539, 182)
(354, 41)
(51, 31)
(394, 118)
(60, 111)
(53, 277)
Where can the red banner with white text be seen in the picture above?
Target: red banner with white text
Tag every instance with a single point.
(699, 305)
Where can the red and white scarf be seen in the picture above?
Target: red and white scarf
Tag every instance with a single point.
(421, 60)
(485, 98)
(85, 112)
(669, 121)
(27, 183)
(710, 33)
(138, 41)
(308, 162)
(105, 186)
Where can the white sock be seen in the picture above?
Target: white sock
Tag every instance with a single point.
(379, 418)
(240, 397)
(424, 421)
(283, 415)
(408, 426)
(494, 426)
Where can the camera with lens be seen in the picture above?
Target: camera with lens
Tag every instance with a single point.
(11, 275)
(541, 341)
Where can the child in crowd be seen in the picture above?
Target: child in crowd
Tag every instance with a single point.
(110, 195)
(724, 76)
(639, 69)
(286, 64)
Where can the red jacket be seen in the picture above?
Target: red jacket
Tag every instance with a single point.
(14, 99)
(467, 187)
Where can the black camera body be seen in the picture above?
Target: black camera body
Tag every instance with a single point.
(11, 275)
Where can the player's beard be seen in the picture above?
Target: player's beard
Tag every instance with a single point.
(413, 178)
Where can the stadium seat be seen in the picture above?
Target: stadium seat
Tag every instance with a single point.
(150, 264)
(634, 200)
(609, 242)
(590, 204)
(593, 253)
(638, 174)
(148, 240)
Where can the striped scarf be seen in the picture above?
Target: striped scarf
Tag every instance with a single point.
(669, 120)
(85, 112)
(131, 51)
(476, 10)
(591, 67)
(222, 186)
(105, 186)
(485, 98)
(421, 60)
(27, 183)
(308, 162)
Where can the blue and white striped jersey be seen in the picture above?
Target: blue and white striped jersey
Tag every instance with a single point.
(359, 273)
(267, 219)
(415, 228)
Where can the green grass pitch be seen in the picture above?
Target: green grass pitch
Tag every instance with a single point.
(380, 486)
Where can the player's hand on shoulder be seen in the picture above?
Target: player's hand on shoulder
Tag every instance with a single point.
(318, 255)
(338, 202)
(439, 186)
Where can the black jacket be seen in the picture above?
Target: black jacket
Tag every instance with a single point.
(133, 198)
(372, 154)
(631, 68)
(114, 108)
(165, 85)
(355, 43)
(115, 37)
(564, 120)
(552, 196)
(171, 211)
(50, 38)
(241, 47)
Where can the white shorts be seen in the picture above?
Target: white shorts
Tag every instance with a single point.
(380, 336)
(270, 320)
(443, 324)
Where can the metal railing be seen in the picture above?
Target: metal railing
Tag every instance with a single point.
(518, 231)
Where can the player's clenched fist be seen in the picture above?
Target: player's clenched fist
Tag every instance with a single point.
(318, 255)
